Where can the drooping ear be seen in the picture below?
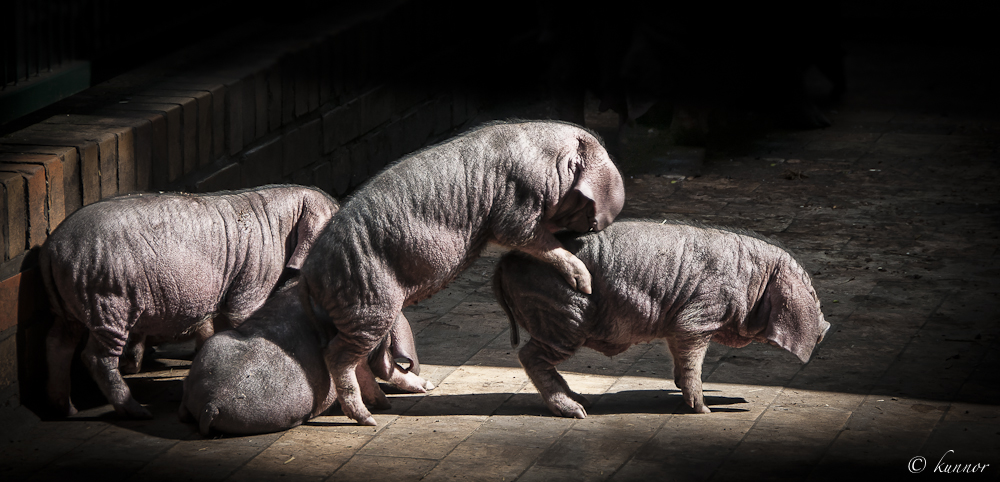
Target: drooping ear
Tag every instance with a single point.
(599, 181)
(401, 344)
(398, 344)
(795, 322)
(316, 212)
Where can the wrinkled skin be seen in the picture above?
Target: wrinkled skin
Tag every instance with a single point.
(418, 224)
(166, 266)
(683, 283)
(269, 373)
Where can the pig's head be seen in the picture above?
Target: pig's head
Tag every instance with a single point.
(591, 189)
(787, 315)
(792, 312)
(317, 207)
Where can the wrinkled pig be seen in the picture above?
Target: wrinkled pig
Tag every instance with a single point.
(420, 222)
(166, 266)
(684, 283)
(269, 375)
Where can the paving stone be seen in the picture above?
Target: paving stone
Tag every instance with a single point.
(305, 453)
(205, 459)
(361, 467)
(480, 461)
(530, 431)
(428, 437)
(597, 444)
(677, 469)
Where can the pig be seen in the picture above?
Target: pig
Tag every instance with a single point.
(269, 375)
(416, 225)
(685, 283)
(167, 266)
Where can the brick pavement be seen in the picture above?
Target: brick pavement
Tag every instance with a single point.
(894, 210)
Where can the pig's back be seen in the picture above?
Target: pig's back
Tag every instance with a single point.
(648, 274)
(142, 250)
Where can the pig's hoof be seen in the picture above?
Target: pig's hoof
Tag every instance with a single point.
(571, 412)
(579, 399)
(563, 406)
(369, 422)
(132, 409)
(61, 408)
(699, 407)
(576, 274)
(582, 279)
(411, 383)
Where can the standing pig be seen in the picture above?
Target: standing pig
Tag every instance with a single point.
(684, 283)
(420, 222)
(269, 375)
(166, 266)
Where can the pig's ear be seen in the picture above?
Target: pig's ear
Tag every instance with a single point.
(795, 321)
(315, 215)
(401, 344)
(598, 182)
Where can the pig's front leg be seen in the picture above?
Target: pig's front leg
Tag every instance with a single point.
(547, 248)
(688, 352)
(539, 363)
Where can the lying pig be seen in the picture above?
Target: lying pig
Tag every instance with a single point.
(684, 283)
(420, 222)
(269, 375)
(167, 266)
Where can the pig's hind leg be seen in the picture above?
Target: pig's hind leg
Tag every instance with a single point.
(109, 330)
(539, 363)
(131, 360)
(60, 345)
(343, 364)
(371, 393)
(104, 369)
(689, 354)
(355, 340)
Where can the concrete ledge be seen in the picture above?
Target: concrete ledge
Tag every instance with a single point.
(40, 91)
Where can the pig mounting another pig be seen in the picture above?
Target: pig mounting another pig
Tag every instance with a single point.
(684, 283)
(166, 266)
(416, 225)
(269, 374)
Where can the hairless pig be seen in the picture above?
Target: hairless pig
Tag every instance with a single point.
(269, 375)
(420, 222)
(684, 283)
(167, 265)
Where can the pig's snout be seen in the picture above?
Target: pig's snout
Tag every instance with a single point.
(601, 221)
(824, 327)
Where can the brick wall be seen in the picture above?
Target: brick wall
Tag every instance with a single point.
(327, 102)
